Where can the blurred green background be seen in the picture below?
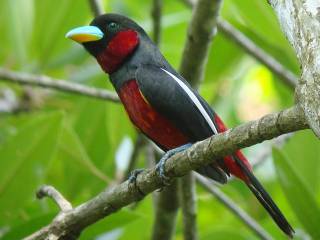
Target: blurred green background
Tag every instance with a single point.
(76, 143)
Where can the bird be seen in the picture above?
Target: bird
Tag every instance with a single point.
(161, 103)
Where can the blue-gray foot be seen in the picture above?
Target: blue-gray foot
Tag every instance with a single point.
(133, 180)
(160, 165)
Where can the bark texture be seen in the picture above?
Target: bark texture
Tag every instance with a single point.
(69, 224)
(300, 21)
(188, 202)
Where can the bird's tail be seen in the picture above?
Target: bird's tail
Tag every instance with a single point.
(264, 198)
(239, 166)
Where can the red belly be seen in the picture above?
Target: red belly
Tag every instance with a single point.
(158, 128)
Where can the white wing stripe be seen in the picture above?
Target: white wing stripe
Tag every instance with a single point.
(195, 100)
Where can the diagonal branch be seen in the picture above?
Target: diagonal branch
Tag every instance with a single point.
(258, 53)
(200, 154)
(58, 84)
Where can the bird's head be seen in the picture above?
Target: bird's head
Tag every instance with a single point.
(110, 38)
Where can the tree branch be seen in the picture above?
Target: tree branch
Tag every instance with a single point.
(48, 82)
(51, 192)
(200, 154)
(166, 208)
(226, 201)
(166, 202)
(188, 203)
(156, 13)
(300, 22)
(200, 33)
(96, 7)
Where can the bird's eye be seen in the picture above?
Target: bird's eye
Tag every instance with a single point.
(113, 26)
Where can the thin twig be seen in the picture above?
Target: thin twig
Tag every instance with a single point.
(96, 7)
(58, 84)
(258, 53)
(188, 204)
(56, 196)
(233, 207)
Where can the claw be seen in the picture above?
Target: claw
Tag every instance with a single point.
(134, 174)
(161, 164)
(133, 180)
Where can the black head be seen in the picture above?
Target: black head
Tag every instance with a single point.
(96, 37)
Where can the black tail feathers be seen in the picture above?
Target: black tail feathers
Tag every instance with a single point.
(266, 201)
(271, 207)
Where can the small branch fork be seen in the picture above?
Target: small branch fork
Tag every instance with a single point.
(57, 197)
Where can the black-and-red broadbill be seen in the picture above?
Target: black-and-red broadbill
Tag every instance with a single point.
(160, 102)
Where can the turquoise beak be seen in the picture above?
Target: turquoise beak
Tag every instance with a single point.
(85, 34)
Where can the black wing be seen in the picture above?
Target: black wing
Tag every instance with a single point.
(171, 100)
(168, 98)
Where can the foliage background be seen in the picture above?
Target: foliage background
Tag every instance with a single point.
(77, 143)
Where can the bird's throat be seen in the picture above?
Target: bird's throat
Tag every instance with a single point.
(120, 47)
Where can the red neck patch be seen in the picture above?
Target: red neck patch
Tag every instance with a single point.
(118, 49)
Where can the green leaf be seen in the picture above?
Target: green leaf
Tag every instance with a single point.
(73, 171)
(24, 160)
(298, 193)
(19, 26)
(90, 125)
(224, 234)
(52, 21)
(306, 158)
(28, 227)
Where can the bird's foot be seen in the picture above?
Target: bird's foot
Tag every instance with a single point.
(161, 164)
(133, 180)
(134, 174)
